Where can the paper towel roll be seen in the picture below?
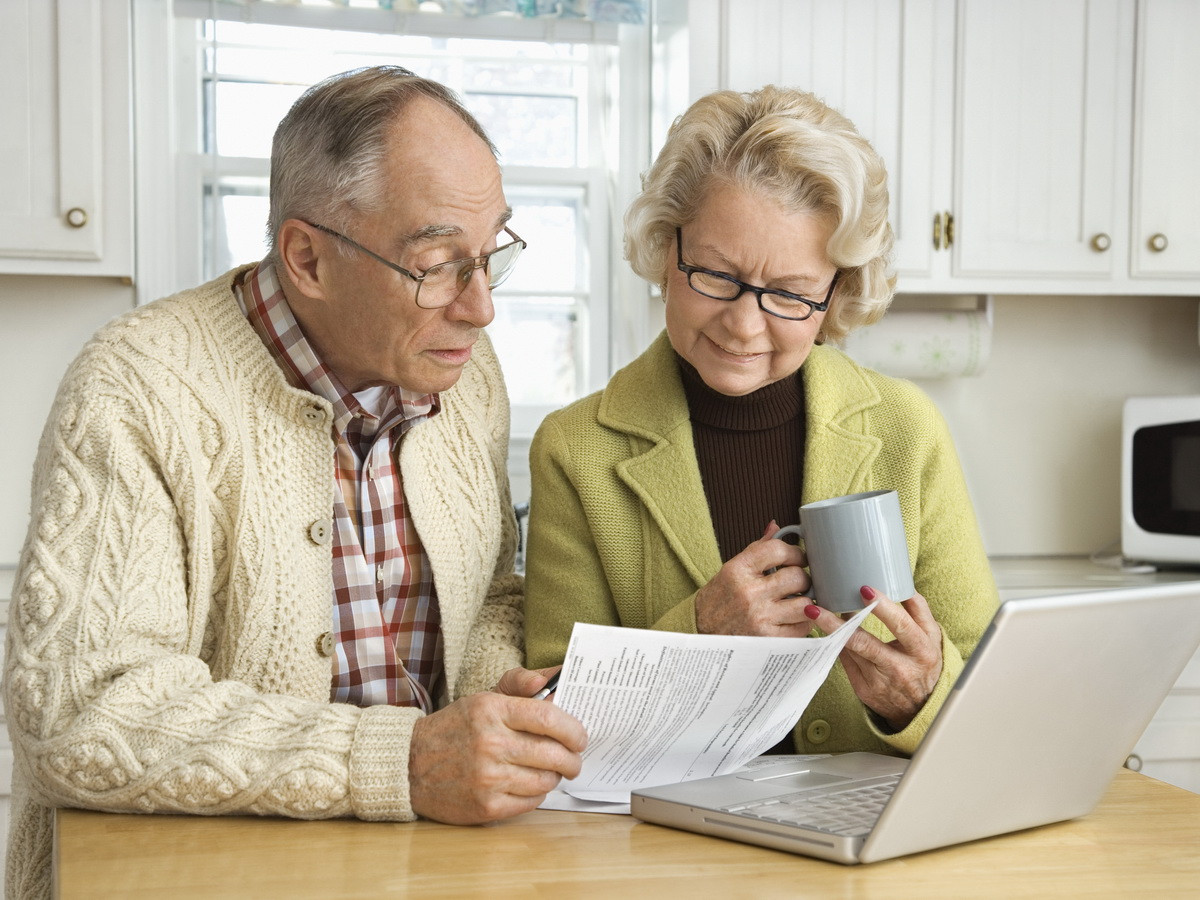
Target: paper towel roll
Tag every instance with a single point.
(913, 344)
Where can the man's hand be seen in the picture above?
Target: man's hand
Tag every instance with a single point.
(492, 755)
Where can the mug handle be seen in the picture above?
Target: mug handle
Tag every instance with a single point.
(797, 530)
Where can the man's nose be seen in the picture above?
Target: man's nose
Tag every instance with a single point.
(474, 304)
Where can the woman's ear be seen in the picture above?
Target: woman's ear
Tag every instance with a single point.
(299, 254)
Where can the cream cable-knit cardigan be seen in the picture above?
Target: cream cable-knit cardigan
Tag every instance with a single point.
(171, 594)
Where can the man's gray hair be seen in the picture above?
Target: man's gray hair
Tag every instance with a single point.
(328, 153)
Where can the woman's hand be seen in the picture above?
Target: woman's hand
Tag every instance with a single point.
(758, 592)
(893, 678)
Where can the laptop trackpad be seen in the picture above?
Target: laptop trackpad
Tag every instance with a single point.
(793, 781)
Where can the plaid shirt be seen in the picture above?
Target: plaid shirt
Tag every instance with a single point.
(386, 623)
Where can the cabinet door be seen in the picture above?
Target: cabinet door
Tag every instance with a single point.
(884, 64)
(1165, 235)
(59, 191)
(1040, 124)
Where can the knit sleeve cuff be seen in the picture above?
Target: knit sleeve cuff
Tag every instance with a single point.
(680, 617)
(379, 764)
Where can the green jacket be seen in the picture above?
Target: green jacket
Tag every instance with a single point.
(620, 531)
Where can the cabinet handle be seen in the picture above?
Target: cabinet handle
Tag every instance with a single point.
(76, 217)
(943, 230)
(1101, 242)
(1157, 242)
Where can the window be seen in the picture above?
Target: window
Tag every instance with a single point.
(552, 107)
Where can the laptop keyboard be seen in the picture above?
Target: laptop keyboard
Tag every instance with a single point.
(847, 812)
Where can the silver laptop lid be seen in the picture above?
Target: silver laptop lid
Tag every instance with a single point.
(1048, 707)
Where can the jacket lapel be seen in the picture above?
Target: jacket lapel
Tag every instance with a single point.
(661, 469)
(839, 450)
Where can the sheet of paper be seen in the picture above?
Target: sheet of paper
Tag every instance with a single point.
(661, 707)
(558, 799)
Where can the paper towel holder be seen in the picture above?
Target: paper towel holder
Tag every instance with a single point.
(947, 341)
(985, 303)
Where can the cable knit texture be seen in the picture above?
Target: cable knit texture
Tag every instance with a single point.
(620, 531)
(162, 644)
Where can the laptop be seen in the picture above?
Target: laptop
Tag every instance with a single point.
(1046, 710)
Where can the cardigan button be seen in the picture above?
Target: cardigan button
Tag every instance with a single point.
(321, 532)
(818, 731)
(313, 415)
(325, 644)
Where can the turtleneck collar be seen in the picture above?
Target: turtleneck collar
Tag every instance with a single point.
(768, 407)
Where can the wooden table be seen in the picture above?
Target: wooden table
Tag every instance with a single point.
(1143, 840)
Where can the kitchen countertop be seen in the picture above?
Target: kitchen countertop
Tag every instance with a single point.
(1029, 576)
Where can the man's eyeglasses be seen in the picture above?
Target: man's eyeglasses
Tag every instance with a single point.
(721, 286)
(442, 284)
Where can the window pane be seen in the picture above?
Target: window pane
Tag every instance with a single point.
(529, 131)
(550, 221)
(538, 105)
(238, 225)
(533, 76)
(246, 116)
(538, 345)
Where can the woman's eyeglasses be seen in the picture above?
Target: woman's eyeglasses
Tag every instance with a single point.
(721, 286)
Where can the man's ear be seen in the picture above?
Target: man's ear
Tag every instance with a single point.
(300, 254)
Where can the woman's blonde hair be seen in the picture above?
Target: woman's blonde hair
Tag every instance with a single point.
(790, 146)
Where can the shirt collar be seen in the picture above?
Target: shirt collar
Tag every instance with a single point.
(265, 306)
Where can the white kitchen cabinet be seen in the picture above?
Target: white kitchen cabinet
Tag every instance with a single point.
(65, 148)
(882, 63)
(1007, 129)
(1038, 154)
(1165, 235)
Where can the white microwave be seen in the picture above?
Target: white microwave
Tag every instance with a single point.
(1160, 479)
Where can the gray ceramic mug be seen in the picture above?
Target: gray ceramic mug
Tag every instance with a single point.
(853, 541)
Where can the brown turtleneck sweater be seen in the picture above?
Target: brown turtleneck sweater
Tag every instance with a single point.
(751, 455)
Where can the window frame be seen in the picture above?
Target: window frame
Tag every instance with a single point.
(168, 114)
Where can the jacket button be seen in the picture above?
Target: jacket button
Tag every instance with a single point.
(818, 731)
(325, 644)
(313, 415)
(321, 532)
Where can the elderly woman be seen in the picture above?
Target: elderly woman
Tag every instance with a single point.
(764, 221)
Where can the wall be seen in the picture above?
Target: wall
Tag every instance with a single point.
(43, 323)
(1039, 430)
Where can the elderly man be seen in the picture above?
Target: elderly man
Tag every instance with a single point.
(269, 569)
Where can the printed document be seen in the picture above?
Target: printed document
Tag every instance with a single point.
(661, 707)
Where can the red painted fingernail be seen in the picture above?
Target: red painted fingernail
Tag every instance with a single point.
(868, 592)
(812, 611)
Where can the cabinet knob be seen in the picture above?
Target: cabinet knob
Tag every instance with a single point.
(1101, 242)
(937, 231)
(76, 217)
(1157, 242)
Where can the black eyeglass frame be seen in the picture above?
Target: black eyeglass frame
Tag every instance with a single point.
(811, 305)
(475, 262)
